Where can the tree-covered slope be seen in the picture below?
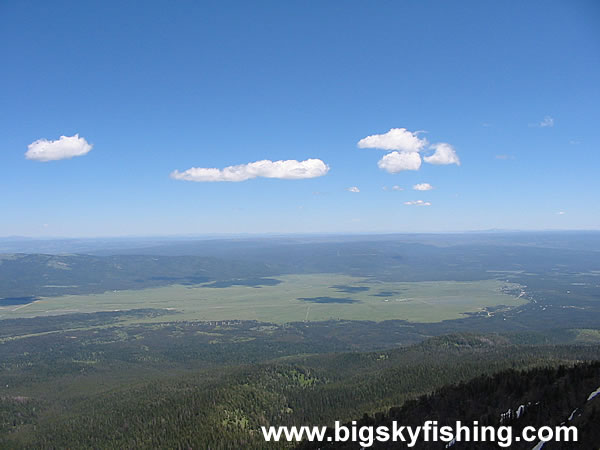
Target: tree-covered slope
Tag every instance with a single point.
(158, 402)
(537, 397)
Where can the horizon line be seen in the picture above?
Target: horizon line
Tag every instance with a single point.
(300, 233)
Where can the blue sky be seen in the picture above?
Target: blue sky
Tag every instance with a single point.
(158, 87)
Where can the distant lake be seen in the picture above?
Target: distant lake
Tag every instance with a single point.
(9, 301)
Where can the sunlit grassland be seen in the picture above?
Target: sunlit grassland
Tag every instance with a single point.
(366, 299)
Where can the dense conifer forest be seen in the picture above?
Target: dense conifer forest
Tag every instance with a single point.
(538, 397)
(203, 401)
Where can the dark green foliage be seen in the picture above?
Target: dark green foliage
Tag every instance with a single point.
(201, 385)
(548, 396)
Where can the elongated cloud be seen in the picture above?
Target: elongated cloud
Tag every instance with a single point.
(395, 139)
(393, 188)
(422, 187)
(417, 203)
(289, 170)
(353, 189)
(63, 148)
(546, 122)
(395, 162)
(444, 154)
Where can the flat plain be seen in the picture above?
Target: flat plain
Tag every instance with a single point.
(293, 298)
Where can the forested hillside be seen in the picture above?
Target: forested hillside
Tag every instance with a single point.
(543, 396)
(134, 402)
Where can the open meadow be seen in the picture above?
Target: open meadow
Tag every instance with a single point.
(293, 298)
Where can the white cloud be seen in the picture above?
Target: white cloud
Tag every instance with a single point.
(547, 122)
(422, 187)
(64, 148)
(289, 170)
(395, 139)
(444, 154)
(395, 162)
(417, 203)
(393, 188)
(404, 147)
(353, 189)
(561, 213)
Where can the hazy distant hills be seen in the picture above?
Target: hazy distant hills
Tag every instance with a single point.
(198, 261)
(47, 275)
(187, 245)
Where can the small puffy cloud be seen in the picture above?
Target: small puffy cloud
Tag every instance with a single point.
(547, 122)
(63, 148)
(422, 187)
(395, 162)
(393, 188)
(404, 147)
(353, 189)
(444, 154)
(561, 213)
(288, 170)
(417, 203)
(395, 139)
